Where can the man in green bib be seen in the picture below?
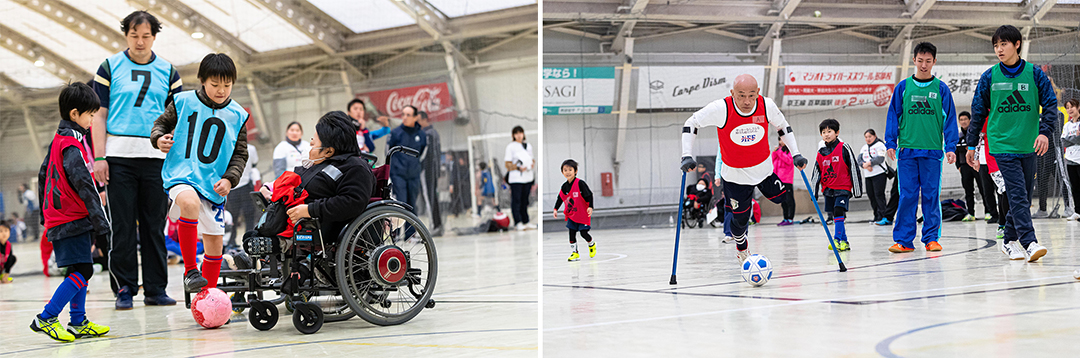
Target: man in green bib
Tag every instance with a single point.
(922, 124)
(1007, 101)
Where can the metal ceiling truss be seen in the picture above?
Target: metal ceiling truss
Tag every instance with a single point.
(328, 34)
(43, 58)
(108, 37)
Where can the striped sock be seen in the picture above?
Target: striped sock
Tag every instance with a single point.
(188, 232)
(71, 286)
(211, 269)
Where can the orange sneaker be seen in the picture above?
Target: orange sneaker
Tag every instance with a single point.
(933, 246)
(897, 248)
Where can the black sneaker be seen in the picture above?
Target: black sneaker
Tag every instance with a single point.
(123, 299)
(193, 281)
(159, 300)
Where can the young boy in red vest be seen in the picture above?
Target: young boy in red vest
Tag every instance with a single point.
(71, 204)
(837, 176)
(579, 204)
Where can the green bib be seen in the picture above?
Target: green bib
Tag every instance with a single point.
(922, 121)
(1014, 111)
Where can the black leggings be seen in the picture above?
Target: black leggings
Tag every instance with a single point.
(84, 269)
(519, 202)
(875, 189)
(584, 235)
(789, 202)
(1074, 184)
(9, 263)
(970, 178)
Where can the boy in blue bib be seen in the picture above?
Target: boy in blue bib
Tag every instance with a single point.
(203, 135)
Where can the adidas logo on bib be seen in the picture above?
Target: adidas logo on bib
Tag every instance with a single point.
(1014, 103)
(921, 107)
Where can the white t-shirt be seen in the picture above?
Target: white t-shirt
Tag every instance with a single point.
(522, 156)
(867, 153)
(131, 147)
(292, 155)
(1071, 153)
(715, 114)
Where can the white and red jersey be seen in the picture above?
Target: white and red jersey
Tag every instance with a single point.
(743, 137)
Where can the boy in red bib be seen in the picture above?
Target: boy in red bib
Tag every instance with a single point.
(837, 176)
(579, 204)
(742, 121)
(71, 204)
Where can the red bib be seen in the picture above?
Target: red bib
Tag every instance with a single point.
(834, 170)
(61, 204)
(744, 140)
(576, 208)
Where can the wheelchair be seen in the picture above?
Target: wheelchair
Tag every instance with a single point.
(693, 213)
(382, 267)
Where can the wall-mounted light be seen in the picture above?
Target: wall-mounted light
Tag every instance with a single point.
(197, 35)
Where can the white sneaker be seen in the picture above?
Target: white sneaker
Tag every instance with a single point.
(530, 226)
(743, 255)
(727, 239)
(1074, 216)
(1014, 250)
(520, 227)
(1035, 251)
(1076, 274)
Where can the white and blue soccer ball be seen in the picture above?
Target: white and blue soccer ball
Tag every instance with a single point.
(756, 270)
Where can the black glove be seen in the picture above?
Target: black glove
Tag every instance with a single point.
(799, 160)
(688, 163)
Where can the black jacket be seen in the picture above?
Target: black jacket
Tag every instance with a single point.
(339, 193)
(81, 182)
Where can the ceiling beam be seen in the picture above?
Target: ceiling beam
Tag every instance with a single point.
(507, 40)
(783, 8)
(313, 23)
(78, 22)
(30, 50)
(730, 34)
(395, 57)
(961, 32)
(579, 33)
(625, 30)
(433, 21)
(214, 36)
(686, 30)
(917, 9)
(830, 31)
(1036, 9)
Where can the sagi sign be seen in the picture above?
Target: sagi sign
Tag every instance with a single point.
(578, 90)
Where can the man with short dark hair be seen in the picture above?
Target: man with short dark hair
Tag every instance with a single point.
(1007, 101)
(969, 177)
(429, 164)
(365, 137)
(404, 168)
(921, 125)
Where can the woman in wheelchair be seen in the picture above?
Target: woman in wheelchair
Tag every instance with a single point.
(344, 252)
(697, 202)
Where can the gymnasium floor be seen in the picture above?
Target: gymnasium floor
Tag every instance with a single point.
(966, 301)
(487, 306)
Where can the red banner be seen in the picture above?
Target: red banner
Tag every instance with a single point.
(431, 98)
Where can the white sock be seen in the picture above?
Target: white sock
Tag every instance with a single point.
(573, 247)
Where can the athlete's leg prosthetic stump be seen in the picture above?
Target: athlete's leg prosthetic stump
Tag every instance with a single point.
(822, 218)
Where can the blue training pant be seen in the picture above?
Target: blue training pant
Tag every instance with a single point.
(1018, 171)
(919, 181)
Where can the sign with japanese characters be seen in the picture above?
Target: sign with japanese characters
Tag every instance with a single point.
(686, 88)
(578, 90)
(830, 87)
(961, 81)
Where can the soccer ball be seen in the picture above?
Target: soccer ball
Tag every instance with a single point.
(756, 270)
(211, 308)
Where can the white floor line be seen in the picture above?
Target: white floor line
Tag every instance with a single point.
(790, 304)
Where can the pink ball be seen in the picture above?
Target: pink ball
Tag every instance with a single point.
(211, 308)
(502, 220)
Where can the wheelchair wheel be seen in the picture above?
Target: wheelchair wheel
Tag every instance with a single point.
(687, 218)
(385, 276)
(333, 306)
(262, 315)
(308, 317)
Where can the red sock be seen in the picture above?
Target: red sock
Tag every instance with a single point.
(211, 268)
(188, 232)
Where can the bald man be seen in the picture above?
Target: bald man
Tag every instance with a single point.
(742, 129)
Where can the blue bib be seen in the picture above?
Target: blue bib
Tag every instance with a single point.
(137, 94)
(204, 140)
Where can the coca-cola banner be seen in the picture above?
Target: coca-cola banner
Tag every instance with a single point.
(431, 98)
(827, 87)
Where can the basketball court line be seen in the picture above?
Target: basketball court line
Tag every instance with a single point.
(883, 346)
(795, 303)
(364, 338)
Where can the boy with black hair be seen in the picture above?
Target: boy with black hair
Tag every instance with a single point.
(365, 137)
(579, 207)
(207, 161)
(921, 125)
(838, 177)
(73, 213)
(969, 177)
(1007, 101)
